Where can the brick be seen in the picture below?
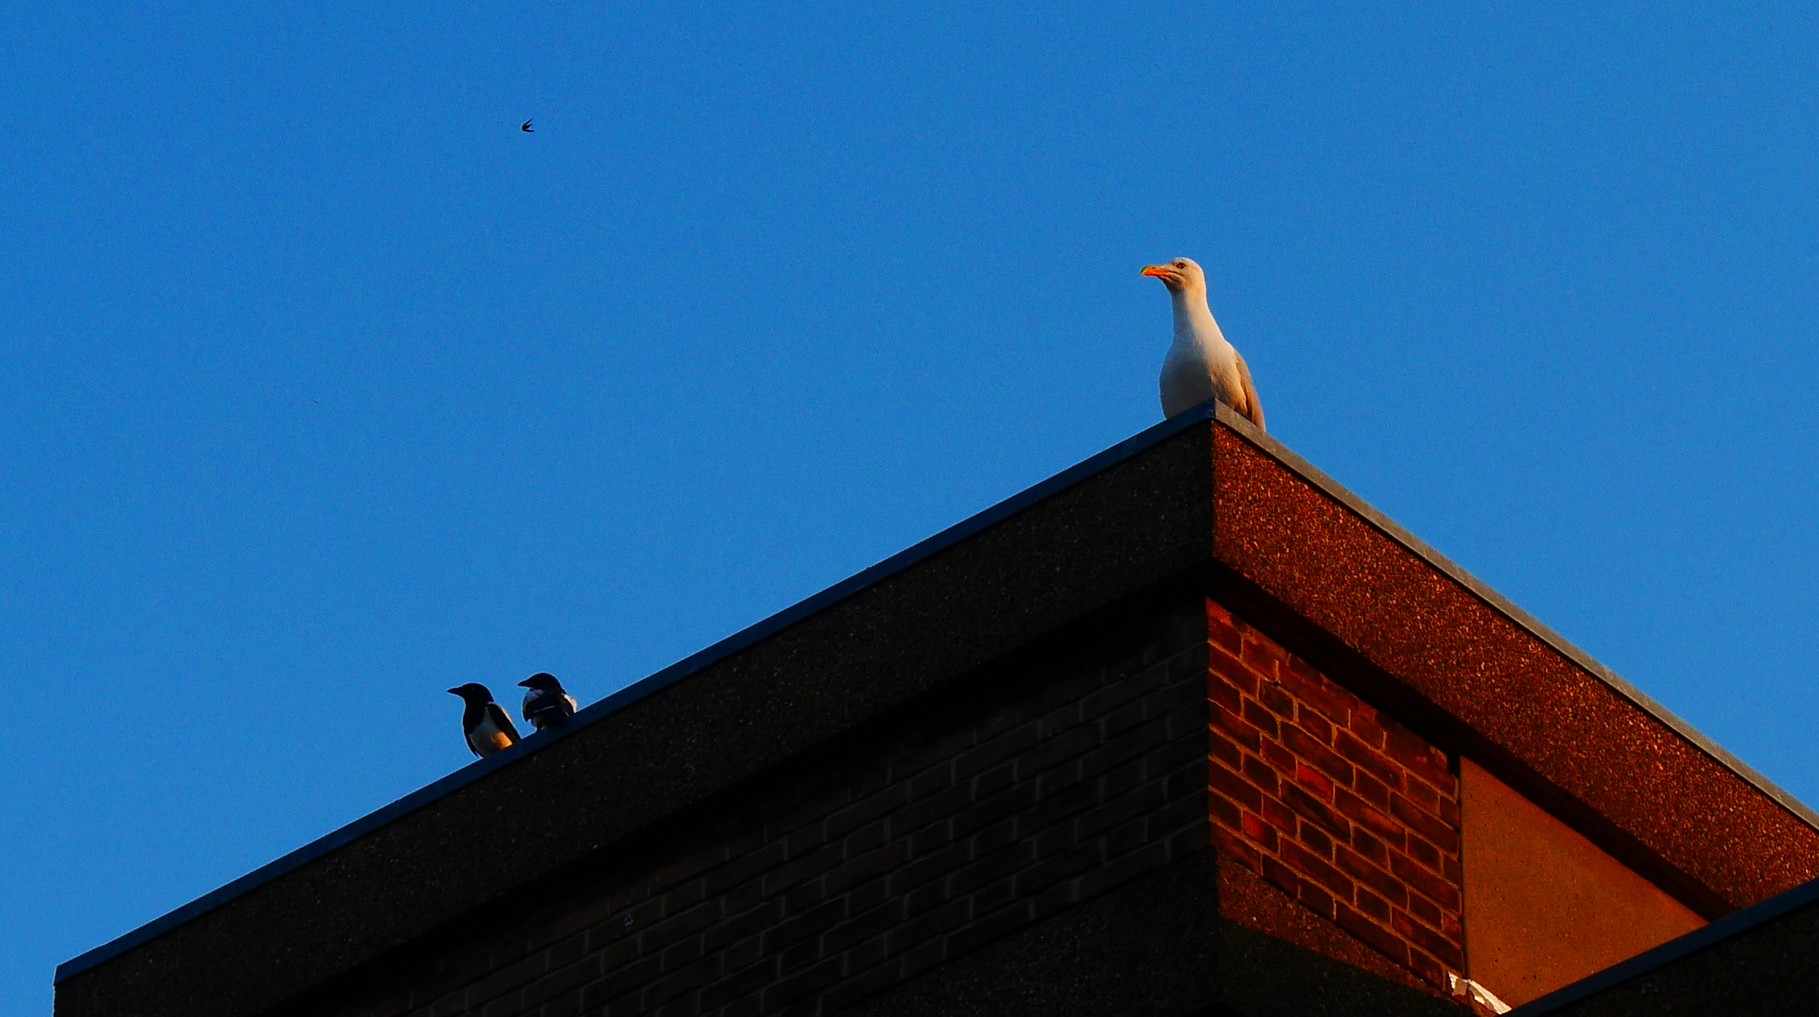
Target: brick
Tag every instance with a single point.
(1426, 968)
(994, 780)
(925, 898)
(1235, 787)
(1061, 748)
(1317, 869)
(619, 983)
(1313, 781)
(1370, 760)
(1428, 940)
(1224, 812)
(1374, 907)
(1370, 847)
(987, 929)
(991, 897)
(810, 924)
(1409, 749)
(1240, 730)
(1130, 743)
(1230, 669)
(749, 981)
(1426, 883)
(1116, 810)
(915, 815)
(866, 866)
(1424, 824)
(1005, 803)
(1276, 701)
(1261, 775)
(914, 961)
(1421, 793)
(869, 954)
(794, 987)
(1048, 901)
(1176, 816)
(1385, 883)
(857, 989)
(865, 810)
(1306, 806)
(1282, 874)
(1314, 691)
(1260, 718)
(1315, 840)
(1322, 758)
(1368, 726)
(1231, 843)
(1423, 852)
(1224, 693)
(1384, 826)
(1261, 654)
(684, 982)
(1221, 748)
(990, 753)
(1424, 910)
(1371, 790)
(1315, 899)
(1280, 816)
(1182, 749)
(1221, 633)
(1317, 727)
(560, 982)
(917, 932)
(1379, 937)
(804, 867)
(1259, 832)
(1280, 758)
(1060, 866)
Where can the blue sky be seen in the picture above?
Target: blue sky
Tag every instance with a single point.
(326, 388)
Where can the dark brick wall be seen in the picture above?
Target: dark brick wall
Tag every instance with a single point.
(1346, 810)
(1006, 798)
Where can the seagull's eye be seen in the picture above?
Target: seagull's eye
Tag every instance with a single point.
(1180, 264)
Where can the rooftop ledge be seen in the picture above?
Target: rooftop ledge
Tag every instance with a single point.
(1203, 495)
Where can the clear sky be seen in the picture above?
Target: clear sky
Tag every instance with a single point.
(324, 388)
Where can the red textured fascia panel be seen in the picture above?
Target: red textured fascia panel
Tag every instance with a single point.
(1427, 631)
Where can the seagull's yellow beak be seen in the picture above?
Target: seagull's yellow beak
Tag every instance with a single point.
(1159, 271)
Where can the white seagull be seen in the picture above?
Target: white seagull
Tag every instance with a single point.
(1200, 364)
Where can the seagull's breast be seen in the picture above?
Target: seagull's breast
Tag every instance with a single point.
(1191, 374)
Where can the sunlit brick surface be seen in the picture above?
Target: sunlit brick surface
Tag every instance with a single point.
(1344, 809)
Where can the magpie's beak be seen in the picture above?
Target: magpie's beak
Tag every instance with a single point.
(454, 692)
(526, 683)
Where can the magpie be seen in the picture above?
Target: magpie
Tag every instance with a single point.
(547, 704)
(488, 727)
(527, 128)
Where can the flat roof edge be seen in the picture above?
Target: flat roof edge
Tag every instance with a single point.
(1390, 528)
(698, 661)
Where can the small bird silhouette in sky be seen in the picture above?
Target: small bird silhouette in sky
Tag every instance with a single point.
(526, 127)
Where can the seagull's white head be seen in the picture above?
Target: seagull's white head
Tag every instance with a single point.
(1180, 276)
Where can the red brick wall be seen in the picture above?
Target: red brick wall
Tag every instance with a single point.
(1347, 811)
(1014, 796)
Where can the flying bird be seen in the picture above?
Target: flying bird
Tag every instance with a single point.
(547, 704)
(1200, 364)
(526, 127)
(486, 724)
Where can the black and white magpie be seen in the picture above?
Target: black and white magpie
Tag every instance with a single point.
(547, 704)
(486, 724)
